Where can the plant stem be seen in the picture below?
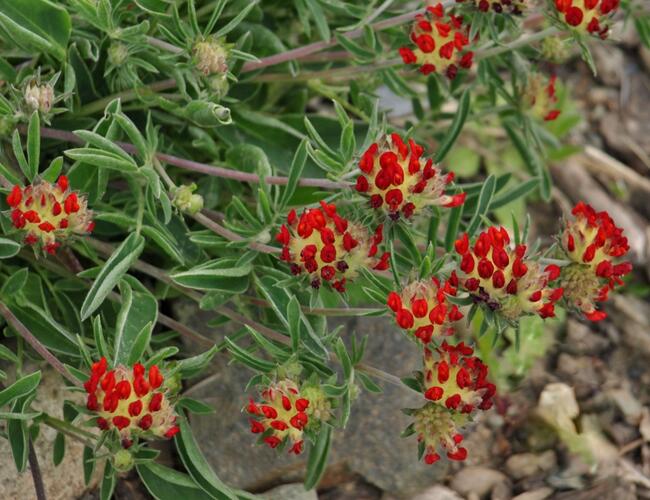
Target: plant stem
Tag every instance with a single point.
(161, 44)
(521, 42)
(35, 469)
(232, 236)
(226, 173)
(87, 438)
(23, 331)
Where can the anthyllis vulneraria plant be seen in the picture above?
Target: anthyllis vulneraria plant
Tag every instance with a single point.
(592, 243)
(240, 158)
(398, 180)
(441, 43)
(49, 214)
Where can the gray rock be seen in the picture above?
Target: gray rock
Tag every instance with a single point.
(580, 339)
(538, 494)
(477, 481)
(294, 491)
(583, 372)
(609, 62)
(438, 492)
(370, 446)
(61, 482)
(524, 465)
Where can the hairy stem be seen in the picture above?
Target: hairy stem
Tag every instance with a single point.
(204, 168)
(29, 337)
(35, 469)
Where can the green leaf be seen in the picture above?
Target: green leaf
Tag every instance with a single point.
(248, 359)
(221, 275)
(293, 318)
(168, 484)
(109, 480)
(484, 199)
(236, 20)
(33, 145)
(38, 25)
(111, 273)
(455, 127)
(317, 460)
(532, 161)
(138, 314)
(197, 466)
(89, 464)
(190, 367)
(103, 159)
(297, 166)
(20, 388)
(514, 194)
(8, 248)
(19, 434)
(58, 451)
(194, 406)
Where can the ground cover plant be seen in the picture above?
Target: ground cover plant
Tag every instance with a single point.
(243, 155)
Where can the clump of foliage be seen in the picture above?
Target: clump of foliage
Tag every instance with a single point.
(235, 153)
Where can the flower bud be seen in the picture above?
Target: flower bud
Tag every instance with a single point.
(539, 97)
(593, 243)
(329, 248)
(131, 401)
(49, 213)
(210, 56)
(117, 54)
(281, 415)
(398, 180)
(219, 85)
(123, 460)
(440, 43)
(501, 278)
(587, 16)
(555, 50)
(424, 310)
(455, 383)
(39, 97)
(206, 114)
(184, 199)
(320, 407)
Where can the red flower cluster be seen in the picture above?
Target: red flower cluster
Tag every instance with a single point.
(503, 279)
(514, 7)
(540, 97)
(441, 41)
(281, 415)
(592, 242)
(47, 212)
(400, 181)
(456, 383)
(131, 401)
(326, 246)
(423, 309)
(587, 16)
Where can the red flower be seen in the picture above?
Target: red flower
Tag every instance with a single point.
(456, 386)
(424, 310)
(328, 247)
(501, 278)
(283, 412)
(49, 212)
(440, 43)
(587, 16)
(398, 179)
(593, 243)
(123, 399)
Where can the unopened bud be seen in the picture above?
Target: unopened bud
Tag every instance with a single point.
(219, 85)
(39, 97)
(555, 50)
(207, 114)
(210, 56)
(186, 201)
(117, 54)
(123, 461)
